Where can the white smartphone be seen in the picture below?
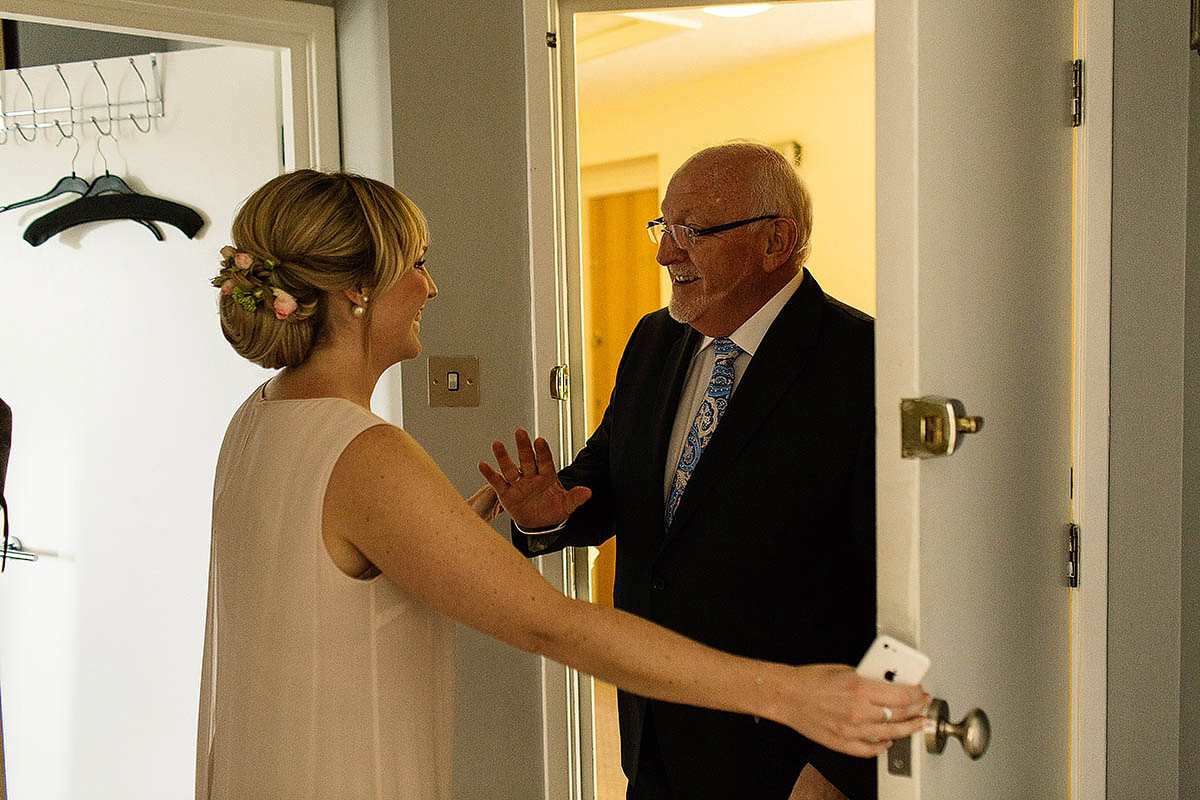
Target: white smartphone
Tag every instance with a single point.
(889, 659)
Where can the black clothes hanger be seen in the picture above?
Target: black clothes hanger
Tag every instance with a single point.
(97, 204)
(109, 197)
(70, 184)
(139, 207)
(73, 184)
(52, 223)
(108, 183)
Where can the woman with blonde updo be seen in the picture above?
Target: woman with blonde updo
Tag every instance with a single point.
(322, 677)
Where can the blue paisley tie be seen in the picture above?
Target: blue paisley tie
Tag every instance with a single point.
(720, 386)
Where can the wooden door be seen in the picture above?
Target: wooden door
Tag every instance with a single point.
(622, 280)
(974, 302)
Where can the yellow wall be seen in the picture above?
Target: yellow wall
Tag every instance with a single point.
(824, 99)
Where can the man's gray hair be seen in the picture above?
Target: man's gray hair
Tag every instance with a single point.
(775, 187)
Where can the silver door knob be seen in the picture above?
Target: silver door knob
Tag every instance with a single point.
(972, 731)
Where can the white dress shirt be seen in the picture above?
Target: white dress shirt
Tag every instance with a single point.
(747, 338)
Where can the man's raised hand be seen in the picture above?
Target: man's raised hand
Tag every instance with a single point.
(529, 489)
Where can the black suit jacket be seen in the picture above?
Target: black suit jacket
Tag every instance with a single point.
(771, 552)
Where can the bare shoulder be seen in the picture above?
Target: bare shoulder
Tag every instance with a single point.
(380, 463)
(372, 483)
(383, 436)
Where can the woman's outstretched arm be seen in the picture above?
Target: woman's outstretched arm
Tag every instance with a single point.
(389, 500)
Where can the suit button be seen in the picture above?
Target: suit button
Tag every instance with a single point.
(658, 584)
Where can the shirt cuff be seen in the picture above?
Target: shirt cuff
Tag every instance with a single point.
(540, 531)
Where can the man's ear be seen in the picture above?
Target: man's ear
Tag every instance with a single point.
(782, 243)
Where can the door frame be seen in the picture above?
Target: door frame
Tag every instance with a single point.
(556, 309)
(1090, 437)
(567, 736)
(303, 34)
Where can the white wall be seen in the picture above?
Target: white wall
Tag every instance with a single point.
(121, 386)
(458, 120)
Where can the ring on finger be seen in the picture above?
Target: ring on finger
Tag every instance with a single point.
(887, 714)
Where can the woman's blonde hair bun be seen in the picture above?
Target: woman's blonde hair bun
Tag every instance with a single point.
(310, 234)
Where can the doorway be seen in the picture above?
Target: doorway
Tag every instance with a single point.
(119, 391)
(908, 33)
(118, 400)
(803, 81)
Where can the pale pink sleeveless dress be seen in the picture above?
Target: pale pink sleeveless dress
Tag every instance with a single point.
(315, 685)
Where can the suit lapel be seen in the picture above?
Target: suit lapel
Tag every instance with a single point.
(776, 366)
(666, 403)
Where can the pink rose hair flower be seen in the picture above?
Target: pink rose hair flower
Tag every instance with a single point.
(284, 304)
(227, 287)
(243, 260)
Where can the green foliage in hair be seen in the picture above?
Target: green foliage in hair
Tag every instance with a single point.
(248, 300)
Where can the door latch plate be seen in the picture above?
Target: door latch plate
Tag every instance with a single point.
(934, 426)
(899, 757)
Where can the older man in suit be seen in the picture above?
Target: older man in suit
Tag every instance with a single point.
(735, 466)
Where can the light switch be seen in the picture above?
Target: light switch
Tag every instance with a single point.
(453, 381)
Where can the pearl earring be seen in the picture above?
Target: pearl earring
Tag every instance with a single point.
(359, 311)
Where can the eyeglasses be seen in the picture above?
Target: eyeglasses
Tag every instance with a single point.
(686, 237)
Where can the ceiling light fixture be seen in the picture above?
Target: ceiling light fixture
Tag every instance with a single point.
(665, 19)
(740, 10)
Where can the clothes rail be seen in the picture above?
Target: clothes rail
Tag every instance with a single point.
(27, 121)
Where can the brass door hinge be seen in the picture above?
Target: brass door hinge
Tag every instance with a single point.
(560, 382)
(1073, 556)
(1076, 93)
